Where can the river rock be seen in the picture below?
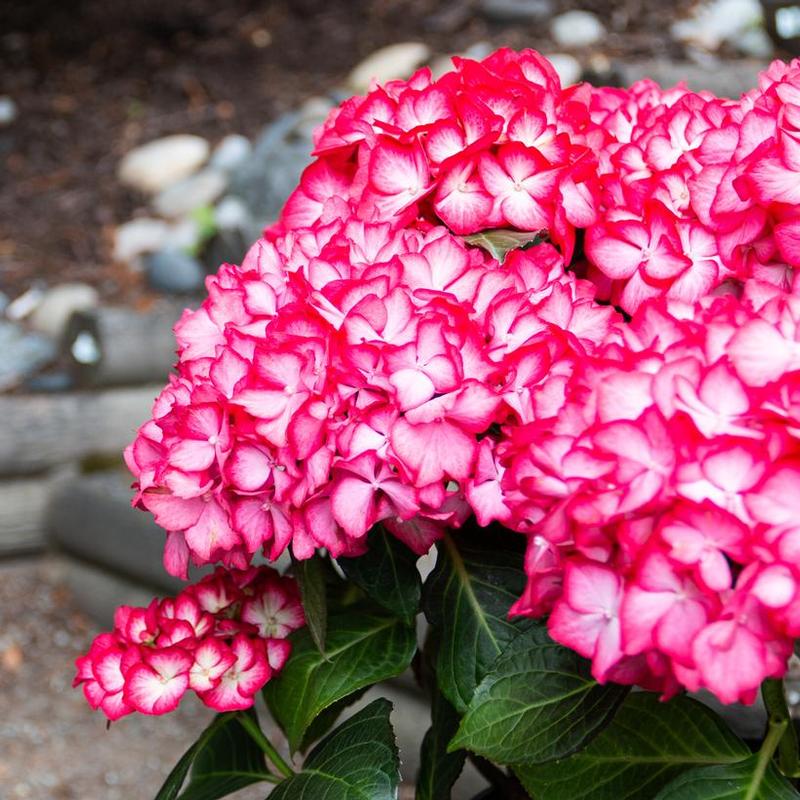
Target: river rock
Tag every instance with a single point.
(568, 67)
(162, 162)
(718, 21)
(231, 213)
(186, 234)
(313, 113)
(139, 236)
(23, 354)
(23, 305)
(787, 22)
(516, 10)
(270, 175)
(391, 62)
(8, 111)
(576, 29)
(58, 304)
(754, 42)
(231, 152)
(175, 272)
(196, 191)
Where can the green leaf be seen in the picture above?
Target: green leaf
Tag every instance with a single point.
(231, 761)
(310, 576)
(466, 600)
(224, 748)
(646, 745)
(326, 719)
(387, 572)
(499, 241)
(742, 781)
(439, 769)
(358, 761)
(364, 647)
(537, 704)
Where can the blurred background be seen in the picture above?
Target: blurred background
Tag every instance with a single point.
(142, 144)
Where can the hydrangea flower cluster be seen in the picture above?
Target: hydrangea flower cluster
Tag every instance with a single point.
(623, 388)
(223, 637)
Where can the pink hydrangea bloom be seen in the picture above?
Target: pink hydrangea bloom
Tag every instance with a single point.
(624, 391)
(223, 637)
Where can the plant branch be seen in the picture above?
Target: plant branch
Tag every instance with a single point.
(500, 780)
(787, 745)
(251, 726)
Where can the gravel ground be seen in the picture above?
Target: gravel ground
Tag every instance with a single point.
(52, 745)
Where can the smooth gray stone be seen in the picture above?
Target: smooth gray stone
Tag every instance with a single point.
(162, 162)
(270, 175)
(58, 304)
(175, 272)
(516, 10)
(231, 152)
(198, 190)
(577, 29)
(8, 111)
(23, 353)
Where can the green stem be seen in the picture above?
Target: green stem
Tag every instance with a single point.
(251, 726)
(781, 728)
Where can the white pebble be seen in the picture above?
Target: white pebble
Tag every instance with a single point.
(162, 162)
(576, 29)
(8, 111)
(395, 61)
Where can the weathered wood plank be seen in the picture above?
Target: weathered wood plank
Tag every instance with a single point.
(22, 515)
(91, 518)
(121, 347)
(98, 592)
(38, 431)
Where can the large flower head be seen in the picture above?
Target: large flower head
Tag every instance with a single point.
(573, 311)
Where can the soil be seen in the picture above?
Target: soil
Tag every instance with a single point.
(93, 79)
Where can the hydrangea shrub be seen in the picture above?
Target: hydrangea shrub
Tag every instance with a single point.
(552, 333)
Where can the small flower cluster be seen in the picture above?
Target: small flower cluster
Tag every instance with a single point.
(628, 398)
(223, 637)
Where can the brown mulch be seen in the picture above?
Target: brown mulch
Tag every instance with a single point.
(93, 78)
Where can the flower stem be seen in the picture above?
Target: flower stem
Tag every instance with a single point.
(251, 726)
(781, 734)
